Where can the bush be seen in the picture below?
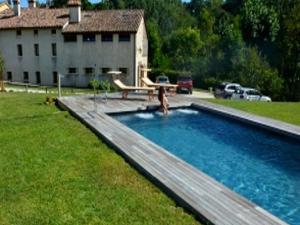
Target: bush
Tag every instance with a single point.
(105, 85)
(210, 82)
(50, 100)
(252, 70)
(94, 84)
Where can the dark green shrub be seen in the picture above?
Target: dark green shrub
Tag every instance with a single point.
(50, 100)
(252, 70)
(210, 82)
(105, 85)
(94, 84)
(172, 74)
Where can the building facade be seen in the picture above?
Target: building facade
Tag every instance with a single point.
(37, 44)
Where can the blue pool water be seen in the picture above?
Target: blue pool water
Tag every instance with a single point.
(262, 166)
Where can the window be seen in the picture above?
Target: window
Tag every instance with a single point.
(25, 77)
(72, 70)
(38, 77)
(231, 88)
(20, 50)
(105, 70)
(36, 50)
(19, 32)
(221, 87)
(106, 37)
(35, 32)
(70, 38)
(53, 31)
(9, 76)
(123, 70)
(55, 77)
(239, 91)
(253, 92)
(124, 37)
(89, 37)
(89, 70)
(53, 49)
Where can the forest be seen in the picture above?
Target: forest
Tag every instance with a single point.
(252, 42)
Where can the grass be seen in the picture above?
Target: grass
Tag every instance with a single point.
(285, 111)
(53, 170)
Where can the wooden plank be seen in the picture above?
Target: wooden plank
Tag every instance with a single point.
(198, 192)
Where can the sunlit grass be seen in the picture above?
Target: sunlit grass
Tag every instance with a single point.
(286, 111)
(53, 170)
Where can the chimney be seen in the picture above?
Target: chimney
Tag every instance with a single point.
(31, 3)
(74, 11)
(10, 3)
(17, 7)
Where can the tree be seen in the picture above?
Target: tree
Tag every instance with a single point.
(260, 22)
(183, 46)
(290, 50)
(168, 15)
(233, 6)
(196, 6)
(221, 43)
(250, 69)
(156, 57)
(111, 4)
(59, 3)
(85, 4)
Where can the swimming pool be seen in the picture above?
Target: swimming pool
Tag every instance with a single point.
(262, 166)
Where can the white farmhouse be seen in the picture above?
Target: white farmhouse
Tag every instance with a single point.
(38, 43)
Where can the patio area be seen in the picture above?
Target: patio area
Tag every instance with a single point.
(115, 103)
(206, 198)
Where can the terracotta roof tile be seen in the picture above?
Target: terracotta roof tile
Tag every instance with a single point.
(74, 2)
(91, 21)
(107, 21)
(34, 18)
(6, 13)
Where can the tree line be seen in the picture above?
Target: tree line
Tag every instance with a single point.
(253, 42)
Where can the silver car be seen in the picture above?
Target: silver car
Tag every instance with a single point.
(249, 94)
(225, 89)
(162, 79)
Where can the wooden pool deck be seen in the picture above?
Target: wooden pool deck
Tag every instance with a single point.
(202, 195)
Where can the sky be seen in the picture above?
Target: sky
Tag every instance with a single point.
(24, 3)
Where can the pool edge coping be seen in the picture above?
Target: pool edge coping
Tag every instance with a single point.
(273, 125)
(173, 194)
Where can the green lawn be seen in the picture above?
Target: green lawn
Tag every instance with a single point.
(286, 111)
(53, 170)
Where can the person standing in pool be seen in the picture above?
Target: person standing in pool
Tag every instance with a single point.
(163, 100)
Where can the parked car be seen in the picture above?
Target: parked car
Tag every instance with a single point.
(249, 94)
(162, 79)
(185, 84)
(225, 89)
